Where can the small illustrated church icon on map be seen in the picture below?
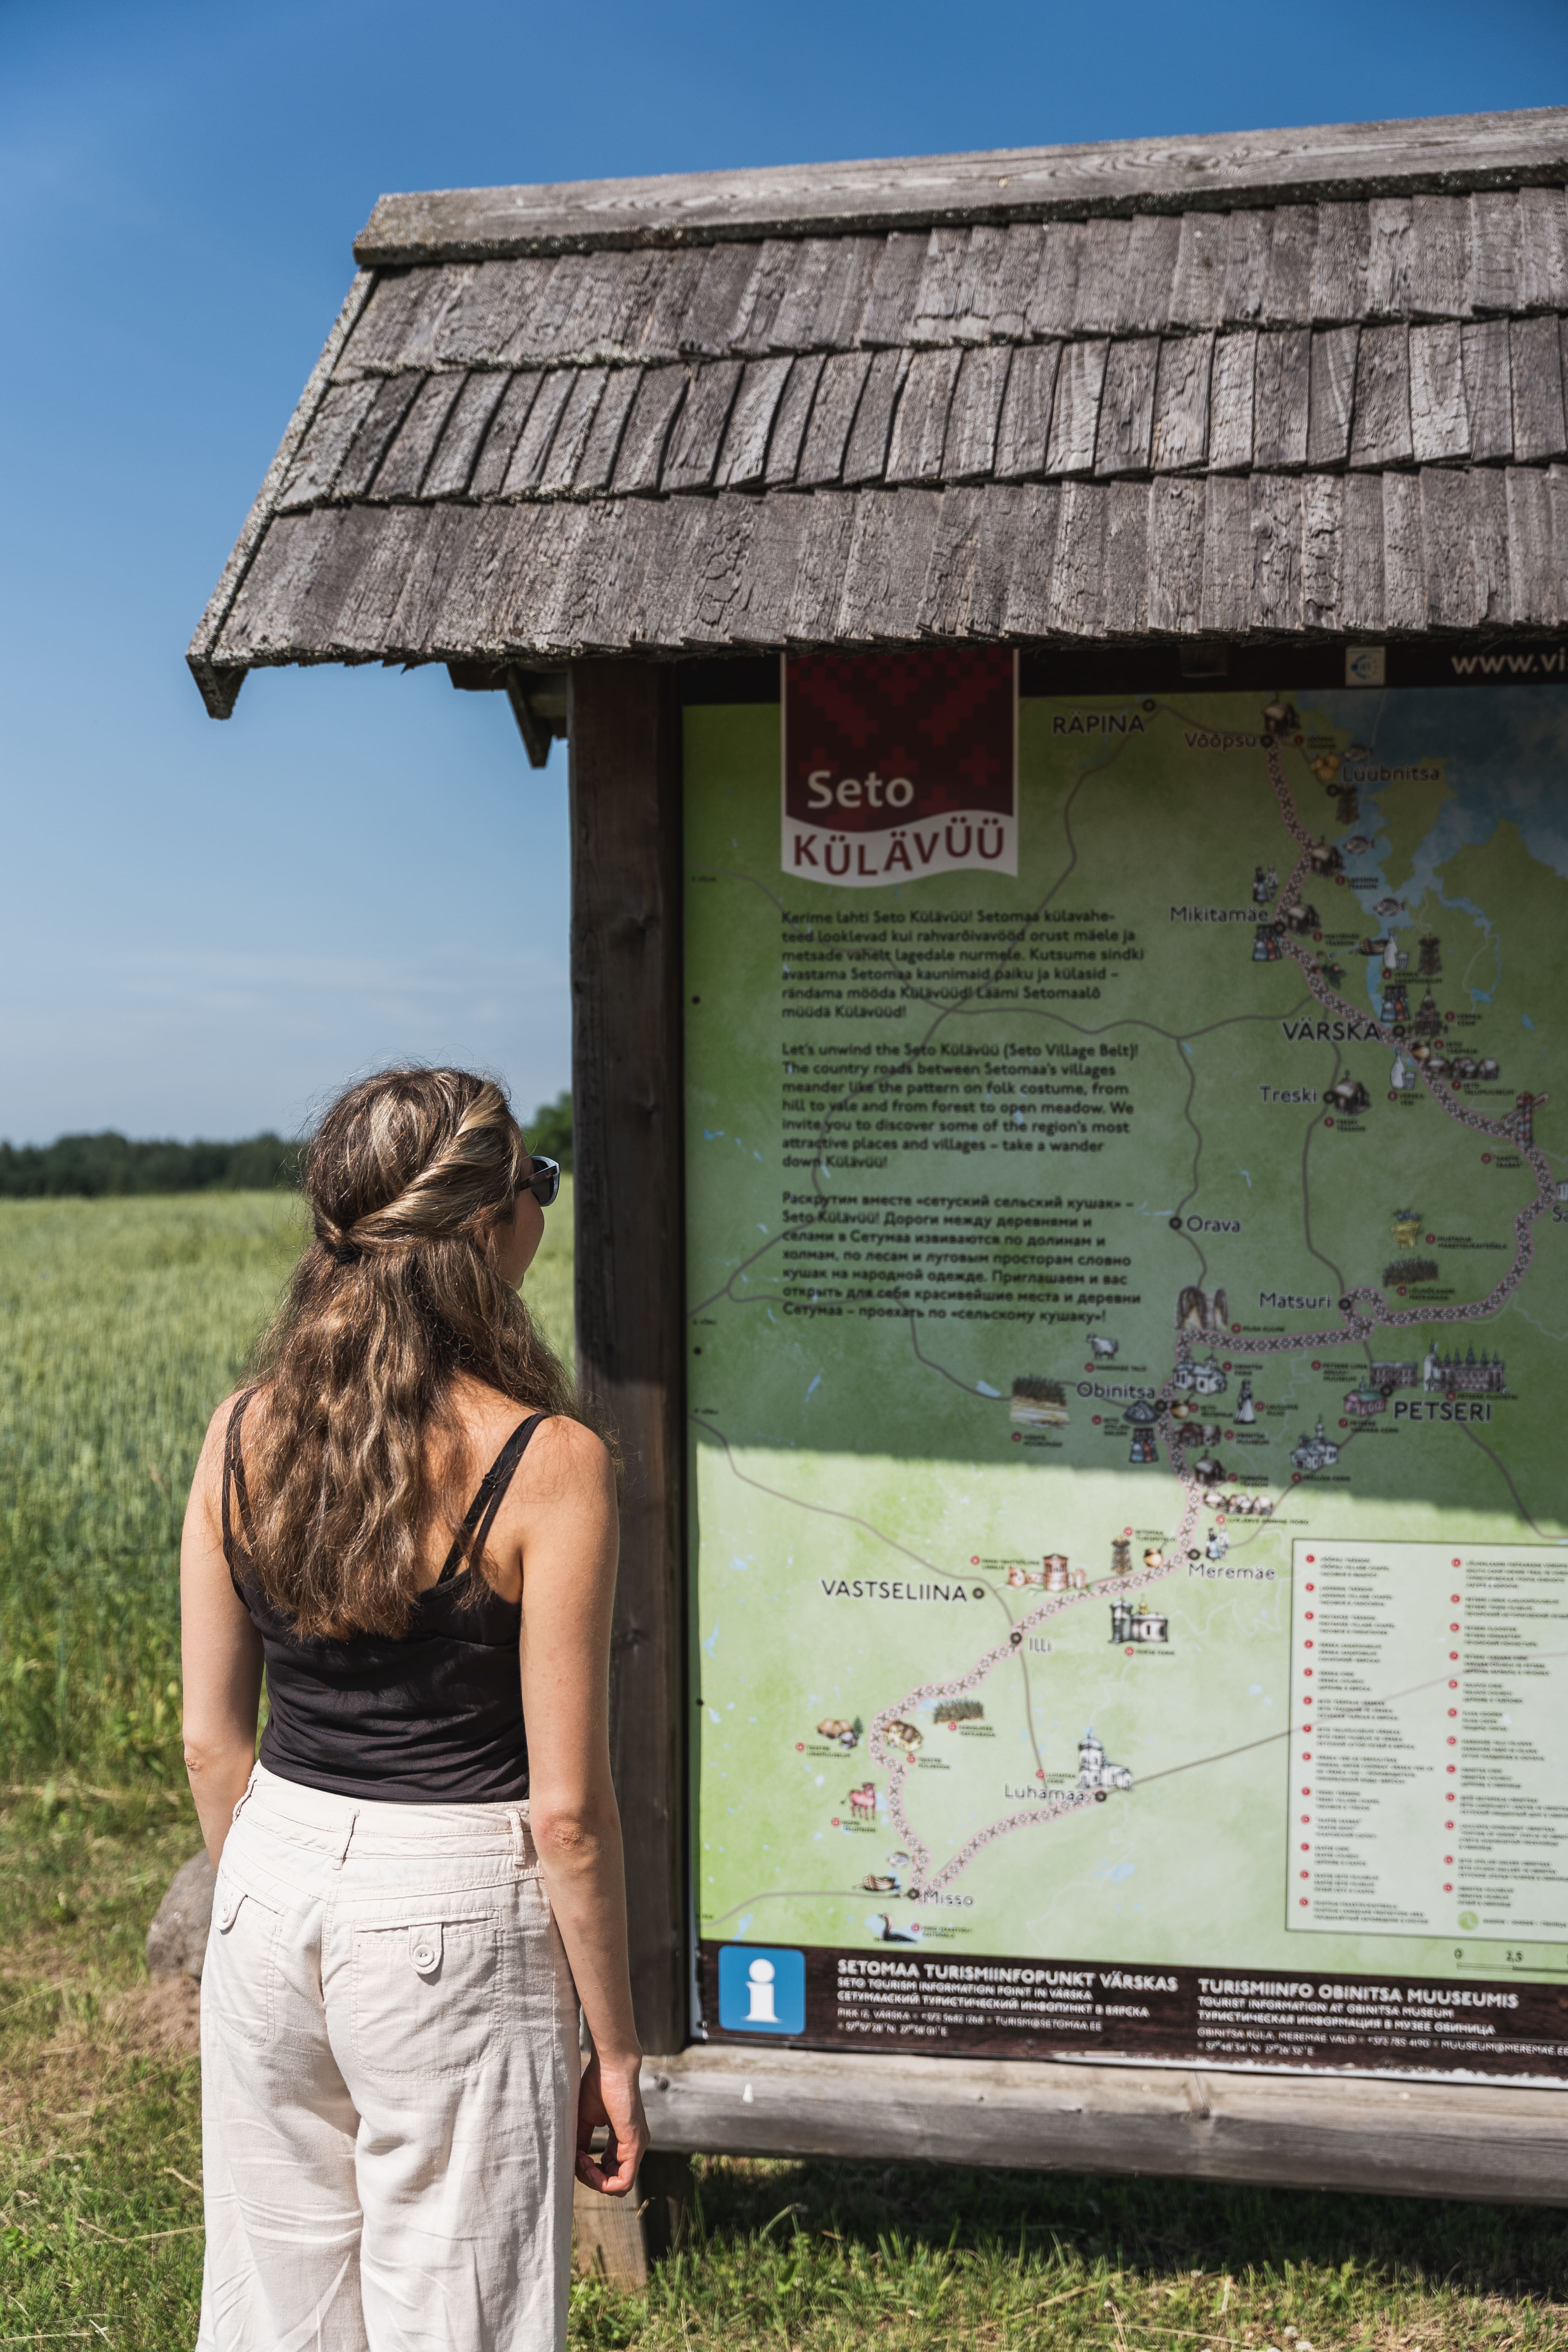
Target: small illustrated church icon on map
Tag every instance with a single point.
(1093, 1772)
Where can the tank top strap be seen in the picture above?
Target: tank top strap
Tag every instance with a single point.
(234, 1469)
(469, 1542)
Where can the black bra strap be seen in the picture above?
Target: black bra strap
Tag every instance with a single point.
(475, 1530)
(234, 1468)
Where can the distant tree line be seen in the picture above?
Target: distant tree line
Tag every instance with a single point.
(92, 1167)
(95, 1167)
(549, 1131)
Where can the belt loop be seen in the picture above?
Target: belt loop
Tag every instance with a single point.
(342, 1854)
(519, 1836)
(246, 1795)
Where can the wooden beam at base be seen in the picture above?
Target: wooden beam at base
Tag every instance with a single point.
(625, 749)
(1477, 2141)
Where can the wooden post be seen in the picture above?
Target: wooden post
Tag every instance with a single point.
(623, 722)
(618, 2239)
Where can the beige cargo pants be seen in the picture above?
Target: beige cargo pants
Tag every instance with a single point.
(389, 2073)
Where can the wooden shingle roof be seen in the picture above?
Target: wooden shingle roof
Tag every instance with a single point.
(1299, 383)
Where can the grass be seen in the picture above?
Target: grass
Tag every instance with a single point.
(121, 1325)
(121, 1322)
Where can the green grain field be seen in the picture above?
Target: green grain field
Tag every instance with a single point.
(122, 1323)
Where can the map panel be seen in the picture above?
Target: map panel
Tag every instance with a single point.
(1083, 1263)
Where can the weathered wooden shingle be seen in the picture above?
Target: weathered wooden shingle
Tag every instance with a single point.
(1230, 402)
(528, 458)
(1175, 554)
(1535, 599)
(645, 433)
(743, 459)
(452, 468)
(1331, 396)
(969, 452)
(1404, 569)
(1127, 408)
(597, 466)
(1439, 420)
(866, 451)
(1340, 264)
(1025, 421)
(1125, 612)
(1542, 282)
(1180, 441)
(1226, 598)
(788, 435)
(890, 304)
(1300, 407)
(1075, 597)
(838, 390)
(920, 432)
(1102, 276)
(1276, 518)
(1292, 249)
(1203, 252)
(1439, 257)
(1322, 549)
(692, 450)
(501, 436)
(1074, 420)
(1496, 256)
(394, 397)
(1535, 354)
(1488, 389)
(328, 442)
(1246, 268)
(402, 470)
(1053, 303)
(1380, 434)
(572, 432)
(1282, 389)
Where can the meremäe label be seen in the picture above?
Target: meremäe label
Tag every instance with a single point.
(900, 766)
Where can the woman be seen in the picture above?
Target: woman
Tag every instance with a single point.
(421, 1878)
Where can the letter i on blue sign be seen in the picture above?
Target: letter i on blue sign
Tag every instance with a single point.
(761, 1990)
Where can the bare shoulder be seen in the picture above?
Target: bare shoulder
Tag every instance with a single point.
(206, 1485)
(566, 1461)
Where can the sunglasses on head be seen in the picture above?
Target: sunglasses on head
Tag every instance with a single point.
(544, 1182)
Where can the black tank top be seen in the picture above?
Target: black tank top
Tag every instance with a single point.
(432, 1717)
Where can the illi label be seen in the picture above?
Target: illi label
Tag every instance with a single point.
(900, 766)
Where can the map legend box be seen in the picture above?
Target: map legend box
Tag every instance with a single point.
(1429, 1740)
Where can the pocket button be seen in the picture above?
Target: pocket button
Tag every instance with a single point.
(424, 1949)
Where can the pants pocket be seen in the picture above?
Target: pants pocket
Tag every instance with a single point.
(424, 1995)
(241, 1966)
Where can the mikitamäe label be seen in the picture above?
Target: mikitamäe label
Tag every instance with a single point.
(900, 766)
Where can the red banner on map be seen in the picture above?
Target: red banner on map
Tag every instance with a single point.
(899, 765)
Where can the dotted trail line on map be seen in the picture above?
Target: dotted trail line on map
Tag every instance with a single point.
(1365, 1311)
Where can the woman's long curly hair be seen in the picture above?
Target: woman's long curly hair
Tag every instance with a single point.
(407, 1176)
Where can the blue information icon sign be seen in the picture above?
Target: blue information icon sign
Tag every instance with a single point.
(761, 1990)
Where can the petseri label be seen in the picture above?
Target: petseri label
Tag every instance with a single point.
(899, 765)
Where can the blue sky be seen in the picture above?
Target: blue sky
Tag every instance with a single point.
(207, 927)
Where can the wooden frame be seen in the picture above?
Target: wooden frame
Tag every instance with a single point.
(624, 723)
(1411, 2137)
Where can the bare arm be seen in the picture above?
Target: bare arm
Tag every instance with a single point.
(220, 1654)
(567, 1533)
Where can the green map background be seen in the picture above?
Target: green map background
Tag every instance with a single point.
(824, 1448)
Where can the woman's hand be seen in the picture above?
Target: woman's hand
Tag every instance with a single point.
(611, 2098)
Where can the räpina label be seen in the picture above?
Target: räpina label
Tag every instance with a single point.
(898, 765)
